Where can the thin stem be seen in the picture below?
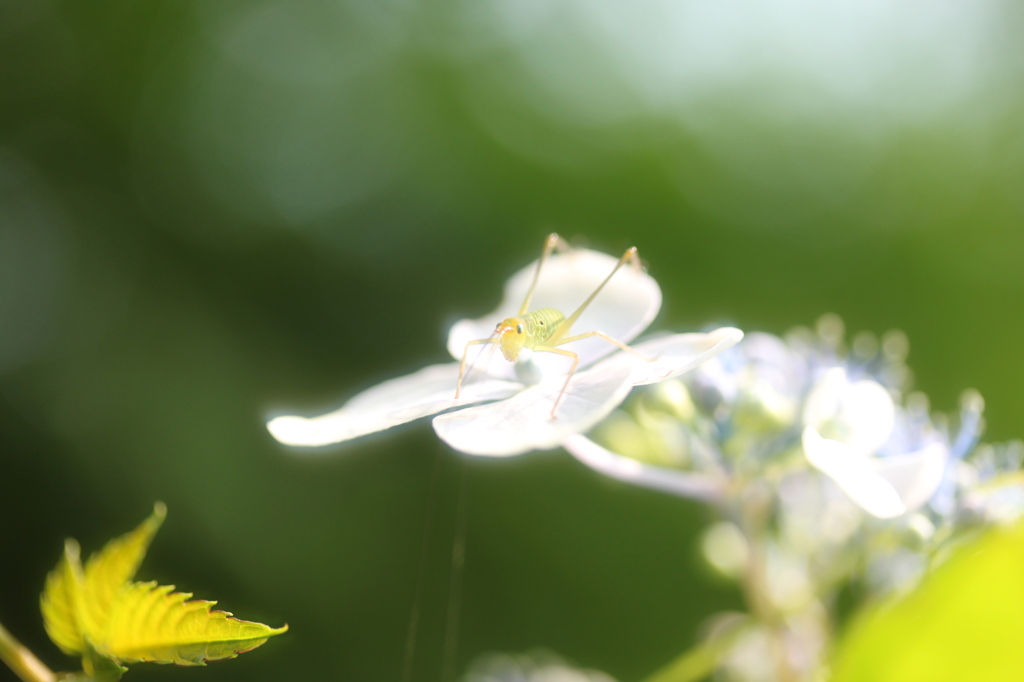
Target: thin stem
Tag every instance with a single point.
(22, 661)
(451, 635)
(753, 517)
(414, 615)
(701, 660)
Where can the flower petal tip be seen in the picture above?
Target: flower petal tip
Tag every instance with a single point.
(290, 430)
(727, 335)
(677, 354)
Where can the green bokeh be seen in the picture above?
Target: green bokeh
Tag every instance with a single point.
(172, 278)
(961, 624)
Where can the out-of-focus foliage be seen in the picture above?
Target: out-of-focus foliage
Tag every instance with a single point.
(101, 615)
(77, 604)
(962, 623)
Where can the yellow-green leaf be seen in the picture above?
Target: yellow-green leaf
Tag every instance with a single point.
(963, 623)
(60, 602)
(149, 622)
(108, 570)
(99, 614)
(100, 668)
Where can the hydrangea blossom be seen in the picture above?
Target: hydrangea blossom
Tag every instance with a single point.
(825, 469)
(537, 666)
(863, 418)
(504, 408)
(747, 410)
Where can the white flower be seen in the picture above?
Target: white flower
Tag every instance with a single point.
(886, 460)
(536, 666)
(883, 486)
(695, 485)
(738, 380)
(861, 416)
(519, 417)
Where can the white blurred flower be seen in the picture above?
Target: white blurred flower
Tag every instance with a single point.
(537, 666)
(993, 483)
(883, 486)
(695, 485)
(767, 397)
(516, 416)
(797, 443)
(860, 413)
(861, 416)
(737, 406)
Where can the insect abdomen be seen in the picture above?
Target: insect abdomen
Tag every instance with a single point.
(541, 325)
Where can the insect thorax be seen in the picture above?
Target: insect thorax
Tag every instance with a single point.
(541, 325)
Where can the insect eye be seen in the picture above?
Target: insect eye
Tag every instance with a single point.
(519, 329)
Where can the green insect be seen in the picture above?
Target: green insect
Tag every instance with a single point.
(545, 329)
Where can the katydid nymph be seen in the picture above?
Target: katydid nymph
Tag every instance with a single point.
(546, 329)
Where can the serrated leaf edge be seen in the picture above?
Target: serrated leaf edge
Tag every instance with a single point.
(60, 602)
(143, 652)
(74, 624)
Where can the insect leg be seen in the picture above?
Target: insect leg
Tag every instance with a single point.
(629, 257)
(575, 361)
(465, 354)
(550, 244)
(616, 342)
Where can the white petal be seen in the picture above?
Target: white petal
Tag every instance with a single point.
(428, 391)
(869, 411)
(685, 484)
(916, 475)
(524, 422)
(623, 309)
(859, 413)
(854, 473)
(825, 399)
(677, 354)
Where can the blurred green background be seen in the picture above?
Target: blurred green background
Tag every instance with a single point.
(212, 212)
